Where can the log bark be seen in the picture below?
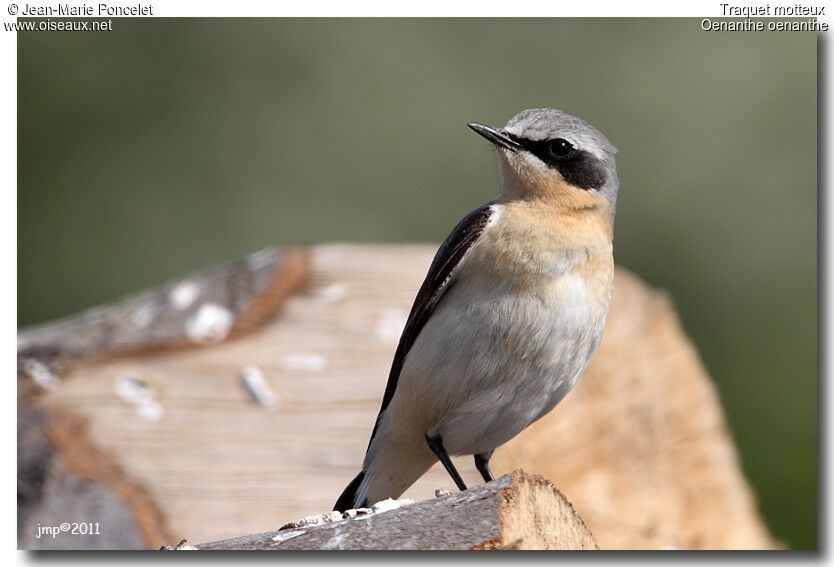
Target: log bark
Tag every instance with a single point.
(516, 511)
(208, 307)
(55, 488)
(640, 446)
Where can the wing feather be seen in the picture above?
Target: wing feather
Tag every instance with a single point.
(440, 278)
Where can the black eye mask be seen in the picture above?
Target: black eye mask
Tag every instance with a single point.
(578, 167)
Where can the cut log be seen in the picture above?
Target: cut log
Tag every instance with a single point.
(516, 511)
(640, 446)
(56, 489)
(205, 308)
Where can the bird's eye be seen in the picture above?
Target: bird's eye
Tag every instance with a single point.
(560, 147)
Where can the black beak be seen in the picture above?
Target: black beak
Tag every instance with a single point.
(497, 137)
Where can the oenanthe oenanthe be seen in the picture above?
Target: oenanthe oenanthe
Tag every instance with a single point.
(512, 308)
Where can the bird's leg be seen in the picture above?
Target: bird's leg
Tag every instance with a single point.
(482, 464)
(436, 446)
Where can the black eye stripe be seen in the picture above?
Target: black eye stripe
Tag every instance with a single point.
(578, 167)
(541, 148)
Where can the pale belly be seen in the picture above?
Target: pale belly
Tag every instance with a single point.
(492, 360)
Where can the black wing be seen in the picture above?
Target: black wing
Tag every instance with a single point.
(438, 281)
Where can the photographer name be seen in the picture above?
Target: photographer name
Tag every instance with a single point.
(87, 10)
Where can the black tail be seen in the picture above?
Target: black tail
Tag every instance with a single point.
(348, 498)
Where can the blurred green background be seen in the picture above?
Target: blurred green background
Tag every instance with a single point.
(167, 145)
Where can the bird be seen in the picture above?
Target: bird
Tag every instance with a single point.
(512, 308)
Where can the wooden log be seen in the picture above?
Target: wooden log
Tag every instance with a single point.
(640, 446)
(516, 511)
(208, 307)
(56, 490)
(68, 477)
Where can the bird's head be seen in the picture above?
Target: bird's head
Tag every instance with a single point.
(549, 154)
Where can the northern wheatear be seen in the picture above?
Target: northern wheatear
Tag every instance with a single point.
(512, 308)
